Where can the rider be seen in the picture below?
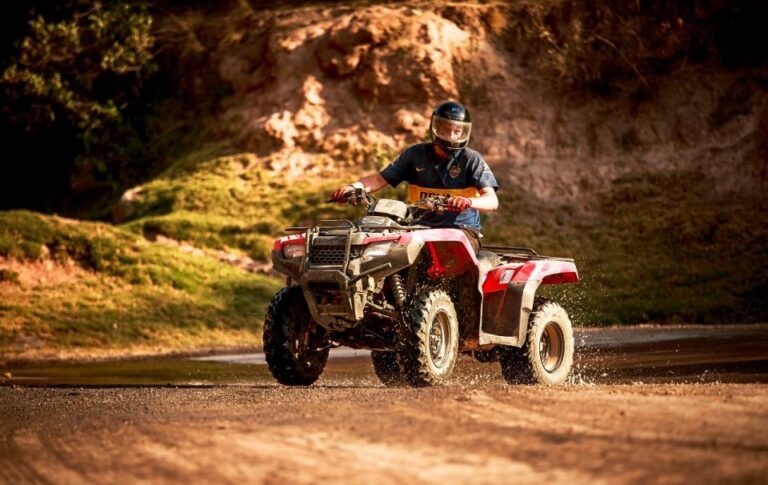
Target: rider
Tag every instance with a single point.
(446, 166)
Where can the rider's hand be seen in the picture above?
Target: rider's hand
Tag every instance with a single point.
(460, 203)
(339, 194)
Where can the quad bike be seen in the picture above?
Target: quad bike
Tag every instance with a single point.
(417, 297)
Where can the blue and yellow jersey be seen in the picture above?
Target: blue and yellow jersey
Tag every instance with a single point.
(462, 174)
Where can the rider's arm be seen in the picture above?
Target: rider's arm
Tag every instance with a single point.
(487, 200)
(483, 178)
(393, 174)
(373, 182)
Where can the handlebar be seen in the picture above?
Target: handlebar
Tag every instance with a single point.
(432, 203)
(355, 197)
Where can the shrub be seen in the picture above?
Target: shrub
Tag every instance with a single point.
(8, 276)
(82, 75)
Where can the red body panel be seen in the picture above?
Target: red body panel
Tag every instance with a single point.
(455, 236)
(450, 250)
(549, 272)
(499, 277)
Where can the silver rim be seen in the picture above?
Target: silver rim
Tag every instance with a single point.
(439, 335)
(551, 347)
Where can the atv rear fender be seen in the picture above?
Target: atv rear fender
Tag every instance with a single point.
(508, 294)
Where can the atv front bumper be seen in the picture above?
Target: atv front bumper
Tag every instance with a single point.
(338, 296)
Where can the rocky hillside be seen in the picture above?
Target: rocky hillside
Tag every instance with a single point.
(341, 84)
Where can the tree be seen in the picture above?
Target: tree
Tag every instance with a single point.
(81, 75)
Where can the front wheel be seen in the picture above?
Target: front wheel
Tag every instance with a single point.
(429, 340)
(296, 348)
(547, 356)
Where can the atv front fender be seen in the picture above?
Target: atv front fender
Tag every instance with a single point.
(449, 249)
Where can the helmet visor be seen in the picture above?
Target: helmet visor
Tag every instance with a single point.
(451, 131)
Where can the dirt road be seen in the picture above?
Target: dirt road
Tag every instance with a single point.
(682, 424)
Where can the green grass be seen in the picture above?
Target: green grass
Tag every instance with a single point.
(230, 202)
(127, 295)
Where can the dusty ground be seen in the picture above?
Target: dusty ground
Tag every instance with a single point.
(362, 434)
(685, 405)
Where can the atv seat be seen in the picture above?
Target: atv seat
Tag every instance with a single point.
(487, 260)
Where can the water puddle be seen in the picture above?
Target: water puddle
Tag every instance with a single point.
(732, 353)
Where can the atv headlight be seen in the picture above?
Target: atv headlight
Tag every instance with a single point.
(378, 249)
(293, 251)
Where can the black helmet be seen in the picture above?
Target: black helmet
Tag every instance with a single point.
(450, 126)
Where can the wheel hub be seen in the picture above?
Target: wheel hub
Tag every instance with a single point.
(551, 347)
(438, 339)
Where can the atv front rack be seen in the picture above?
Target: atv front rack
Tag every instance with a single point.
(344, 224)
(363, 227)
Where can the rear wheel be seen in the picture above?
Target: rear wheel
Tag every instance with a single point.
(547, 356)
(296, 348)
(388, 369)
(430, 341)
